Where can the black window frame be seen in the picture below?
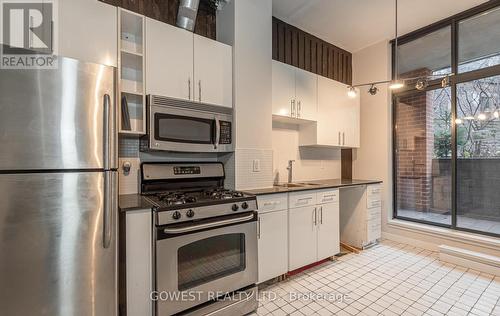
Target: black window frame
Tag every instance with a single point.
(455, 79)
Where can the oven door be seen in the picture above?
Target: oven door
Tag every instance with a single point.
(185, 130)
(196, 262)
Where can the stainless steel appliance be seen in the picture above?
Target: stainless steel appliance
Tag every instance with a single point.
(205, 239)
(58, 191)
(186, 126)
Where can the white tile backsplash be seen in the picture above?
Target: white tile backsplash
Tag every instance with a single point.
(245, 177)
(310, 163)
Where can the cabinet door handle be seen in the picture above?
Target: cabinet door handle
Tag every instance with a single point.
(299, 108)
(189, 88)
(343, 138)
(321, 215)
(258, 229)
(199, 90)
(293, 108)
(315, 217)
(339, 138)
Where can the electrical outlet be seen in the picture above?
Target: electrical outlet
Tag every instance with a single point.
(256, 165)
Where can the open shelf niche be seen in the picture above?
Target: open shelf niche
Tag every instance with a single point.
(131, 73)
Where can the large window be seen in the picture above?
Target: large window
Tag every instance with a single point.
(447, 139)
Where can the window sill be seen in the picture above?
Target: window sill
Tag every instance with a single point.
(446, 233)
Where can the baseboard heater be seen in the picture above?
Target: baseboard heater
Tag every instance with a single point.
(470, 259)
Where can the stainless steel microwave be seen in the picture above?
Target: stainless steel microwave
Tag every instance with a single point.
(186, 126)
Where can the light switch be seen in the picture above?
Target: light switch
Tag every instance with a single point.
(256, 165)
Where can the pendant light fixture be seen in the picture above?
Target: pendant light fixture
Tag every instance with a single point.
(396, 83)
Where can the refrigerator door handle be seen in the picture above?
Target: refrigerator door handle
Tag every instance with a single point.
(110, 204)
(106, 133)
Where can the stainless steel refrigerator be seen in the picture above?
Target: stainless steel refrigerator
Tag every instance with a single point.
(58, 191)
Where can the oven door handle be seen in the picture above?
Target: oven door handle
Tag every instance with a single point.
(193, 228)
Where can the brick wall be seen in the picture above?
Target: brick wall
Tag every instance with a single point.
(415, 143)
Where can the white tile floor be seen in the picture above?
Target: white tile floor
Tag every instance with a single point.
(389, 279)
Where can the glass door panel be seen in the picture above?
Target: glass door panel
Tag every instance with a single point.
(423, 156)
(478, 153)
(210, 259)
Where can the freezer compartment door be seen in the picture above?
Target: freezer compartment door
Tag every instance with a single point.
(58, 244)
(62, 118)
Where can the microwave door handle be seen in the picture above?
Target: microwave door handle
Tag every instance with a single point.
(217, 133)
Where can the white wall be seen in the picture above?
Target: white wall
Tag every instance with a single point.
(374, 159)
(310, 163)
(247, 25)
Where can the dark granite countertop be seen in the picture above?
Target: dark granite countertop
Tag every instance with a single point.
(320, 184)
(133, 202)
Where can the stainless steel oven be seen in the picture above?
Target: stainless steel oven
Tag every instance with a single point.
(198, 260)
(186, 126)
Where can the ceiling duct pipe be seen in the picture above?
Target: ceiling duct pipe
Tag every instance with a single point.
(186, 17)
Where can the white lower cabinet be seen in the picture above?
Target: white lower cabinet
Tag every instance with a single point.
(273, 244)
(328, 230)
(296, 229)
(313, 230)
(361, 215)
(303, 236)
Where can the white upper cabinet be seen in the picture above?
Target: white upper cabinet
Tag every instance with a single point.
(169, 61)
(294, 92)
(88, 31)
(283, 89)
(338, 120)
(185, 66)
(213, 76)
(306, 94)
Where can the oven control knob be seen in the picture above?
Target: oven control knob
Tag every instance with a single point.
(235, 207)
(176, 215)
(190, 213)
(244, 205)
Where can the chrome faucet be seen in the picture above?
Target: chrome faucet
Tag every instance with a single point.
(290, 170)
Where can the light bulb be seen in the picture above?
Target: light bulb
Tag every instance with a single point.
(352, 92)
(481, 117)
(459, 121)
(396, 84)
(496, 114)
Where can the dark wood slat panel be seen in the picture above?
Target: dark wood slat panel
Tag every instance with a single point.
(324, 63)
(346, 69)
(335, 65)
(314, 56)
(288, 46)
(346, 163)
(275, 43)
(166, 11)
(319, 58)
(305, 51)
(295, 47)
(281, 42)
(301, 51)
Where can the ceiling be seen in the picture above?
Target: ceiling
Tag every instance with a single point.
(356, 24)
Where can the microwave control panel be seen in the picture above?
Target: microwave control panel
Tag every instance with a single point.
(225, 133)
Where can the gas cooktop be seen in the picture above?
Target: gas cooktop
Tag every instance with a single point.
(191, 191)
(171, 199)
